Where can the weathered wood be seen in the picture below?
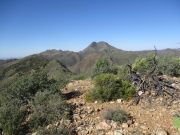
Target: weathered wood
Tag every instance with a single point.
(150, 82)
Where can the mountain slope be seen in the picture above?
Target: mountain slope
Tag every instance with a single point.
(83, 61)
(12, 70)
(57, 71)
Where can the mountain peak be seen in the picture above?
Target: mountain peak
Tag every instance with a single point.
(98, 47)
(99, 44)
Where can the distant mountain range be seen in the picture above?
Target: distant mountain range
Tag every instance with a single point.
(82, 61)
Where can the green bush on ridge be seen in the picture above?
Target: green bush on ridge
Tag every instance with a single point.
(110, 87)
(164, 65)
(34, 91)
(47, 108)
(11, 117)
(103, 66)
(107, 84)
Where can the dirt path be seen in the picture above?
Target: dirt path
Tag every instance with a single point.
(147, 118)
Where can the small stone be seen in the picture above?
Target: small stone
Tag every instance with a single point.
(76, 116)
(160, 132)
(140, 93)
(118, 132)
(112, 102)
(144, 132)
(57, 124)
(35, 133)
(49, 126)
(83, 115)
(125, 125)
(144, 127)
(96, 102)
(136, 124)
(103, 125)
(130, 122)
(114, 124)
(177, 86)
(79, 128)
(90, 110)
(152, 110)
(101, 133)
(153, 93)
(110, 133)
(147, 93)
(119, 100)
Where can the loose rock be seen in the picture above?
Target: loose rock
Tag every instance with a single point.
(103, 126)
(125, 125)
(118, 132)
(119, 100)
(160, 132)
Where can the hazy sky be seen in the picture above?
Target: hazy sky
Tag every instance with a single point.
(31, 26)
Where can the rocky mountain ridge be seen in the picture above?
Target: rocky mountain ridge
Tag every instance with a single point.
(83, 61)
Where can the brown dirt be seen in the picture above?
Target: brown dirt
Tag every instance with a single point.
(147, 117)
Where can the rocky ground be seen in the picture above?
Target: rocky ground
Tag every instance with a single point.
(148, 118)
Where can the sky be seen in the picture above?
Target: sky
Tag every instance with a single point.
(33, 26)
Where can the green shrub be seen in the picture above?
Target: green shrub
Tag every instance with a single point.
(176, 122)
(47, 107)
(164, 65)
(79, 77)
(169, 66)
(118, 115)
(25, 87)
(48, 101)
(126, 91)
(103, 66)
(11, 117)
(123, 72)
(109, 87)
(143, 65)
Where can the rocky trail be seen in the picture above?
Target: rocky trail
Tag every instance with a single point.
(148, 118)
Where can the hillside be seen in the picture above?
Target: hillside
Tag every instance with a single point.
(83, 61)
(10, 71)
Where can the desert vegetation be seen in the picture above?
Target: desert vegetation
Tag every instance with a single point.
(165, 65)
(107, 84)
(34, 97)
(116, 115)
